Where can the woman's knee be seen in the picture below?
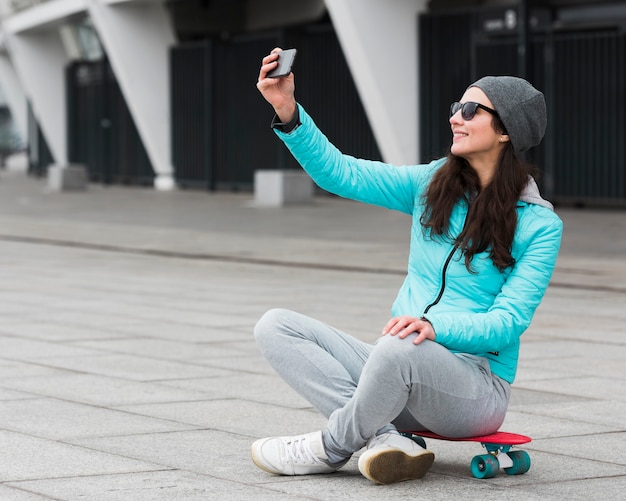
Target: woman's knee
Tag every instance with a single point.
(278, 323)
(394, 350)
(270, 323)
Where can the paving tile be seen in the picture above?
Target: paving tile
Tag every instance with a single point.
(602, 487)
(11, 369)
(150, 486)
(130, 367)
(350, 485)
(254, 419)
(18, 348)
(597, 388)
(9, 493)
(208, 452)
(253, 363)
(609, 414)
(599, 447)
(245, 386)
(59, 420)
(47, 331)
(172, 331)
(36, 458)
(536, 423)
(101, 390)
(14, 395)
(164, 349)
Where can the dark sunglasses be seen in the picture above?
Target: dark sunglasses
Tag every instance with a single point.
(468, 110)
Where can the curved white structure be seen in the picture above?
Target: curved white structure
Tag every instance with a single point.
(379, 40)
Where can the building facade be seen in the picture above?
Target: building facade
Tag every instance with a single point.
(161, 92)
(40, 39)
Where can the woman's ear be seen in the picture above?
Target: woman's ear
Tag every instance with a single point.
(504, 138)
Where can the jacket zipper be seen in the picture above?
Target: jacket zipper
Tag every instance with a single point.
(443, 273)
(443, 281)
(443, 287)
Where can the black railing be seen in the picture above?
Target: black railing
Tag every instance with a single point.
(101, 131)
(191, 90)
(220, 122)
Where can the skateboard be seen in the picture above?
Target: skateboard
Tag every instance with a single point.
(499, 455)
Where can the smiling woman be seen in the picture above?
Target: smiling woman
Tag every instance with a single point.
(483, 248)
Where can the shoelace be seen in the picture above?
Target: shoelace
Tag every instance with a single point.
(298, 450)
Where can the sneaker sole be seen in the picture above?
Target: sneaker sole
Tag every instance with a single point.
(390, 466)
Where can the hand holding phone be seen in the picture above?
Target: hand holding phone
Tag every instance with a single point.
(279, 92)
(285, 62)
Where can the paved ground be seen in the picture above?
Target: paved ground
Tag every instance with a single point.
(128, 371)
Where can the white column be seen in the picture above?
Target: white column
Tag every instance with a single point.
(39, 60)
(16, 100)
(136, 37)
(379, 41)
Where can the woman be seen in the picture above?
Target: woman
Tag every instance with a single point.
(483, 248)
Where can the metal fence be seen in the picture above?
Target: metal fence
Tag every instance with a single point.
(192, 144)
(220, 122)
(582, 73)
(101, 131)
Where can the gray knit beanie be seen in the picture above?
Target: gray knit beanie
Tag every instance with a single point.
(520, 106)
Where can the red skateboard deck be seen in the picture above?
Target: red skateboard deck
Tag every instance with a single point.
(497, 438)
(499, 454)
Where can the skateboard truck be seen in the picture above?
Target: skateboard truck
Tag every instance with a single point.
(499, 454)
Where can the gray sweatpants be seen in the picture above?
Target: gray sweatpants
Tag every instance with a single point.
(366, 389)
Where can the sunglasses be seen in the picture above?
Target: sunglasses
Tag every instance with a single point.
(468, 110)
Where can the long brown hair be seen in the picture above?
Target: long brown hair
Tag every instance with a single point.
(491, 218)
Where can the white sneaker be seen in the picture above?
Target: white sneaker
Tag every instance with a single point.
(300, 455)
(392, 458)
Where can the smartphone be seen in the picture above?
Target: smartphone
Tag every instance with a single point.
(285, 61)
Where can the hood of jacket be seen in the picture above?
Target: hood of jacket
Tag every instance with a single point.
(530, 194)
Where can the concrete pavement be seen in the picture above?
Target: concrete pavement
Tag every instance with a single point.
(128, 370)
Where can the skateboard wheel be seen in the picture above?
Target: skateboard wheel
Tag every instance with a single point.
(521, 463)
(484, 466)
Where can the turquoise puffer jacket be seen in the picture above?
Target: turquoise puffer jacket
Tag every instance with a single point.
(482, 314)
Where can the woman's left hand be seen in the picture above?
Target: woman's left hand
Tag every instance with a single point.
(405, 326)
